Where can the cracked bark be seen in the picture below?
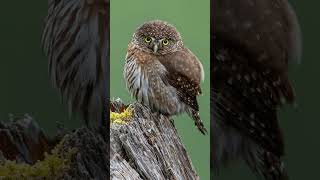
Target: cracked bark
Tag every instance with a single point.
(146, 147)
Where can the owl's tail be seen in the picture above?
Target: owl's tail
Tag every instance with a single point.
(271, 167)
(229, 145)
(197, 121)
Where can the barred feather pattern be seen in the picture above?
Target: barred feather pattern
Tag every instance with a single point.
(148, 81)
(147, 84)
(76, 41)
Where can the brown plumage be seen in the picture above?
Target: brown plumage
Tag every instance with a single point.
(76, 41)
(161, 73)
(252, 44)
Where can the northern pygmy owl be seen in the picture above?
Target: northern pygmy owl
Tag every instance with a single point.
(163, 74)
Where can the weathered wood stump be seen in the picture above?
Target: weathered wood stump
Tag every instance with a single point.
(147, 146)
(23, 145)
(22, 140)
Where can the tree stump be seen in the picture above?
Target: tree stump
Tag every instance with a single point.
(147, 146)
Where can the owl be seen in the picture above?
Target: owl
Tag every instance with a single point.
(252, 45)
(161, 73)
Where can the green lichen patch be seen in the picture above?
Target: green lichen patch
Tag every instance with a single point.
(121, 118)
(53, 165)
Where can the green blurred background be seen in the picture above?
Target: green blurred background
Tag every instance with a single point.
(26, 88)
(192, 20)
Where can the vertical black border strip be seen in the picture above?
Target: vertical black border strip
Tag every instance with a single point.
(107, 101)
(107, 64)
(211, 86)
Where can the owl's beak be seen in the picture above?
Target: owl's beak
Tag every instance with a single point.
(155, 47)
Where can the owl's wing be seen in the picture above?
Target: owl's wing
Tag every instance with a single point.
(184, 72)
(75, 39)
(246, 100)
(250, 66)
(250, 80)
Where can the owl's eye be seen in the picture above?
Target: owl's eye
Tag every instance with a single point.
(165, 42)
(147, 39)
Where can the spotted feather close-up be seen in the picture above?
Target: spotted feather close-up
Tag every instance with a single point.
(253, 43)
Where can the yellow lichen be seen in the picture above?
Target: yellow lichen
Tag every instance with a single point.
(121, 118)
(53, 165)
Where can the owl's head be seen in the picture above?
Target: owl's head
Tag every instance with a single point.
(157, 37)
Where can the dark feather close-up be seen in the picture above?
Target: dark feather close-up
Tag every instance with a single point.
(76, 42)
(253, 42)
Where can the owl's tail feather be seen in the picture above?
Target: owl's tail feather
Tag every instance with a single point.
(230, 145)
(197, 121)
(265, 164)
(272, 167)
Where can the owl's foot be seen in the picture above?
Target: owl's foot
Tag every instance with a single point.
(171, 121)
(168, 117)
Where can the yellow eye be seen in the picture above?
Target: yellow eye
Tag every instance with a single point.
(165, 42)
(147, 39)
